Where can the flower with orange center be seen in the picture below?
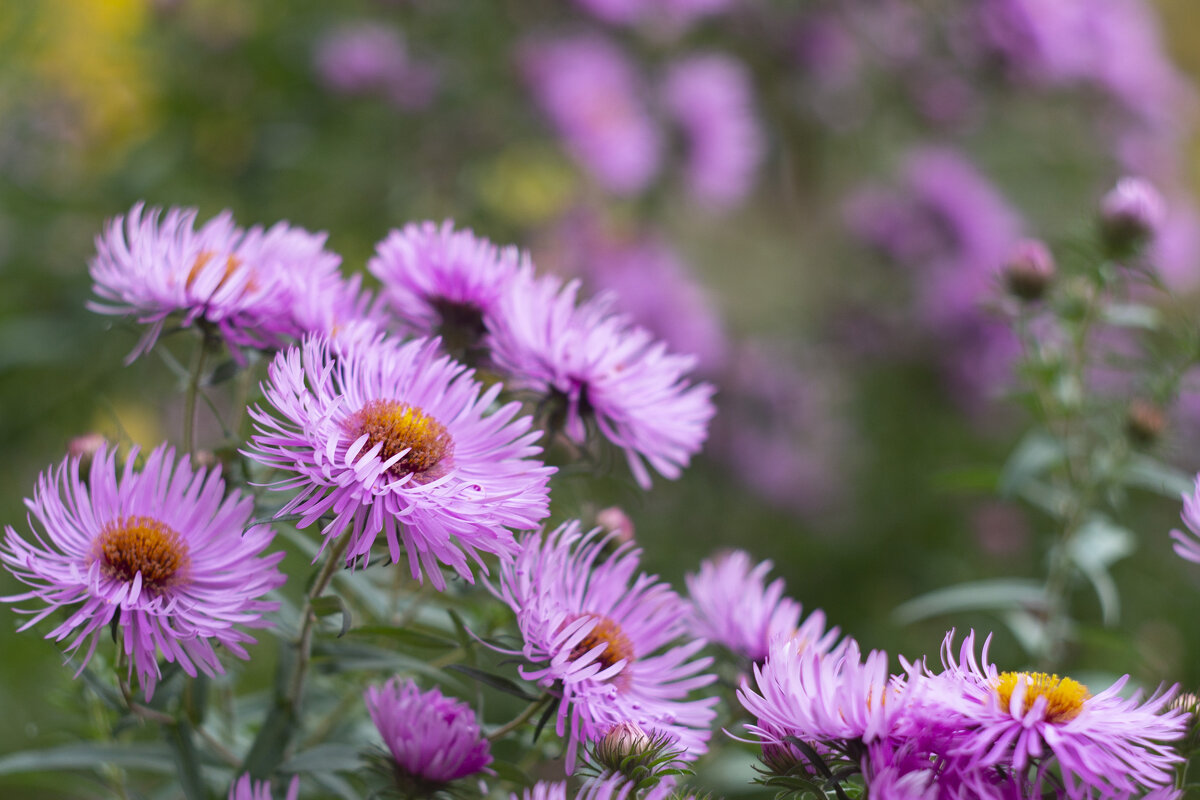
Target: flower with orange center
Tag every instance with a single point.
(1030, 724)
(162, 553)
(607, 640)
(381, 437)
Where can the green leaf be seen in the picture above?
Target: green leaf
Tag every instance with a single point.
(150, 756)
(267, 751)
(1132, 315)
(410, 636)
(187, 762)
(1097, 545)
(498, 682)
(1155, 476)
(1033, 457)
(329, 605)
(991, 595)
(327, 757)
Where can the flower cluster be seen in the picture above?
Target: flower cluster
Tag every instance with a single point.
(968, 731)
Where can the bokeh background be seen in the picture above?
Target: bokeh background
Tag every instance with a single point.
(792, 216)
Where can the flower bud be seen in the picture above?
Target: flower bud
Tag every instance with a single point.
(783, 758)
(1029, 270)
(621, 742)
(615, 521)
(1129, 215)
(1144, 421)
(85, 448)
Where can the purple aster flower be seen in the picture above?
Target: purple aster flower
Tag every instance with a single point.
(732, 607)
(445, 282)
(1131, 212)
(433, 739)
(247, 788)
(822, 697)
(1104, 744)
(604, 636)
(236, 281)
(592, 94)
(601, 369)
(161, 552)
(711, 97)
(396, 438)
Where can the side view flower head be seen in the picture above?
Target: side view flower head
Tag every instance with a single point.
(606, 639)
(396, 439)
(162, 552)
(433, 739)
(151, 267)
(246, 788)
(599, 368)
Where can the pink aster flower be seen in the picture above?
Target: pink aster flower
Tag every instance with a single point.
(247, 788)
(236, 281)
(1105, 745)
(161, 552)
(590, 91)
(395, 438)
(712, 99)
(602, 370)
(605, 637)
(445, 282)
(433, 739)
(732, 607)
(822, 697)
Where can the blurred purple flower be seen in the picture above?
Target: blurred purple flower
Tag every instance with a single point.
(670, 15)
(433, 739)
(246, 788)
(949, 225)
(652, 284)
(711, 97)
(592, 94)
(371, 58)
(163, 553)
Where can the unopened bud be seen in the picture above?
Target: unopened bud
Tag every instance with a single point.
(615, 521)
(782, 758)
(1145, 421)
(1130, 214)
(1029, 270)
(1189, 704)
(85, 448)
(621, 742)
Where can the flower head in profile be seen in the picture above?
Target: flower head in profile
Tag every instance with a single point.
(246, 788)
(597, 368)
(711, 98)
(1104, 744)
(444, 282)
(236, 281)
(397, 439)
(732, 607)
(162, 552)
(1187, 545)
(432, 739)
(609, 640)
(591, 92)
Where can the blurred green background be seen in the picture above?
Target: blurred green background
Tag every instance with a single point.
(216, 104)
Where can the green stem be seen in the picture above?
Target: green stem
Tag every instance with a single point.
(520, 719)
(193, 388)
(308, 619)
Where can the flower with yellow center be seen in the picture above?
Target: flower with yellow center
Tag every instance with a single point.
(1064, 697)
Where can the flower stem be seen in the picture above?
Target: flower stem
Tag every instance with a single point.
(308, 619)
(193, 388)
(520, 719)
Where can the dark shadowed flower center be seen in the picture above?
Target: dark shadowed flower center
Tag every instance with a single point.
(461, 327)
(400, 428)
(1064, 697)
(607, 633)
(129, 545)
